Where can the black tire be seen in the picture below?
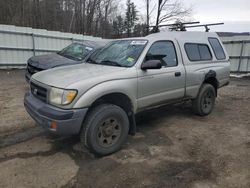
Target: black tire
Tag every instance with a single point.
(105, 129)
(205, 101)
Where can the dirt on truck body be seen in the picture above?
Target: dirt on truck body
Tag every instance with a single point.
(172, 147)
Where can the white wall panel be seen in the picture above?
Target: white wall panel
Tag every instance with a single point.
(238, 49)
(16, 43)
(21, 38)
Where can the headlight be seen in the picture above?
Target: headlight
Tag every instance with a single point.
(61, 97)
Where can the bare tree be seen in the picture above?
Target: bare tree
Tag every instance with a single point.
(93, 17)
(107, 8)
(169, 10)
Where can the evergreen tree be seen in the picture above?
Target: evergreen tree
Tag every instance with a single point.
(118, 26)
(131, 17)
(140, 30)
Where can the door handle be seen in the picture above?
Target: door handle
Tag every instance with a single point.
(177, 74)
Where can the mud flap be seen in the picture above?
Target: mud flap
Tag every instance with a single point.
(132, 122)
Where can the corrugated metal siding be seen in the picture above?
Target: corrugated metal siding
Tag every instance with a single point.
(238, 49)
(18, 44)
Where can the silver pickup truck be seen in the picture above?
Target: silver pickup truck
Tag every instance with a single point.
(98, 99)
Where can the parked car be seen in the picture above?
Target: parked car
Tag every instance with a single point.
(98, 100)
(75, 53)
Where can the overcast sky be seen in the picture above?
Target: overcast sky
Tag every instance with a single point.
(234, 13)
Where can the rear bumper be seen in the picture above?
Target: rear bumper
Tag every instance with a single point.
(68, 122)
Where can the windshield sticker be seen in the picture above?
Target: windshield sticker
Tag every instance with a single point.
(88, 48)
(138, 42)
(130, 59)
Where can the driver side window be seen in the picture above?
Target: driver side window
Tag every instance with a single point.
(163, 51)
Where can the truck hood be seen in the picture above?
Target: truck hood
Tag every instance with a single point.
(50, 60)
(62, 77)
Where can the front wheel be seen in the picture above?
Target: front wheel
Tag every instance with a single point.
(205, 101)
(105, 129)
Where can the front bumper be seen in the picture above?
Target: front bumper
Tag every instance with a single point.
(68, 122)
(27, 76)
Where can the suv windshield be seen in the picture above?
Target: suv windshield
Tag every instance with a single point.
(76, 51)
(123, 53)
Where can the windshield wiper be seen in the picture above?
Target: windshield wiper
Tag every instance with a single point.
(108, 62)
(70, 57)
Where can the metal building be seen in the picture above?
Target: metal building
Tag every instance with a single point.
(18, 44)
(238, 48)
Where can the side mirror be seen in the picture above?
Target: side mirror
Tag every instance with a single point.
(151, 64)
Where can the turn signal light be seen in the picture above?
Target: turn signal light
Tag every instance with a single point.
(53, 125)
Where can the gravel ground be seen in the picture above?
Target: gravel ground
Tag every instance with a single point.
(12, 113)
(173, 147)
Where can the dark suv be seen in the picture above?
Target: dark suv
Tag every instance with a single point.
(75, 53)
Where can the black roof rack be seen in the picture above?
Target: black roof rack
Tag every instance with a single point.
(175, 26)
(205, 25)
(180, 26)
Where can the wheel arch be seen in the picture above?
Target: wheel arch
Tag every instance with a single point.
(119, 99)
(210, 78)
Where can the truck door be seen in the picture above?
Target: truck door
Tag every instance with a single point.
(156, 86)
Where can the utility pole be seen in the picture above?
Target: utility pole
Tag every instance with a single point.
(158, 13)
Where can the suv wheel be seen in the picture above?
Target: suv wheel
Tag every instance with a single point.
(204, 103)
(105, 129)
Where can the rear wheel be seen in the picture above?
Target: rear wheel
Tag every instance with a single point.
(204, 103)
(105, 129)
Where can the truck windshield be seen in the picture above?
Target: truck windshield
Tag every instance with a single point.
(122, 53)
(76, 51)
